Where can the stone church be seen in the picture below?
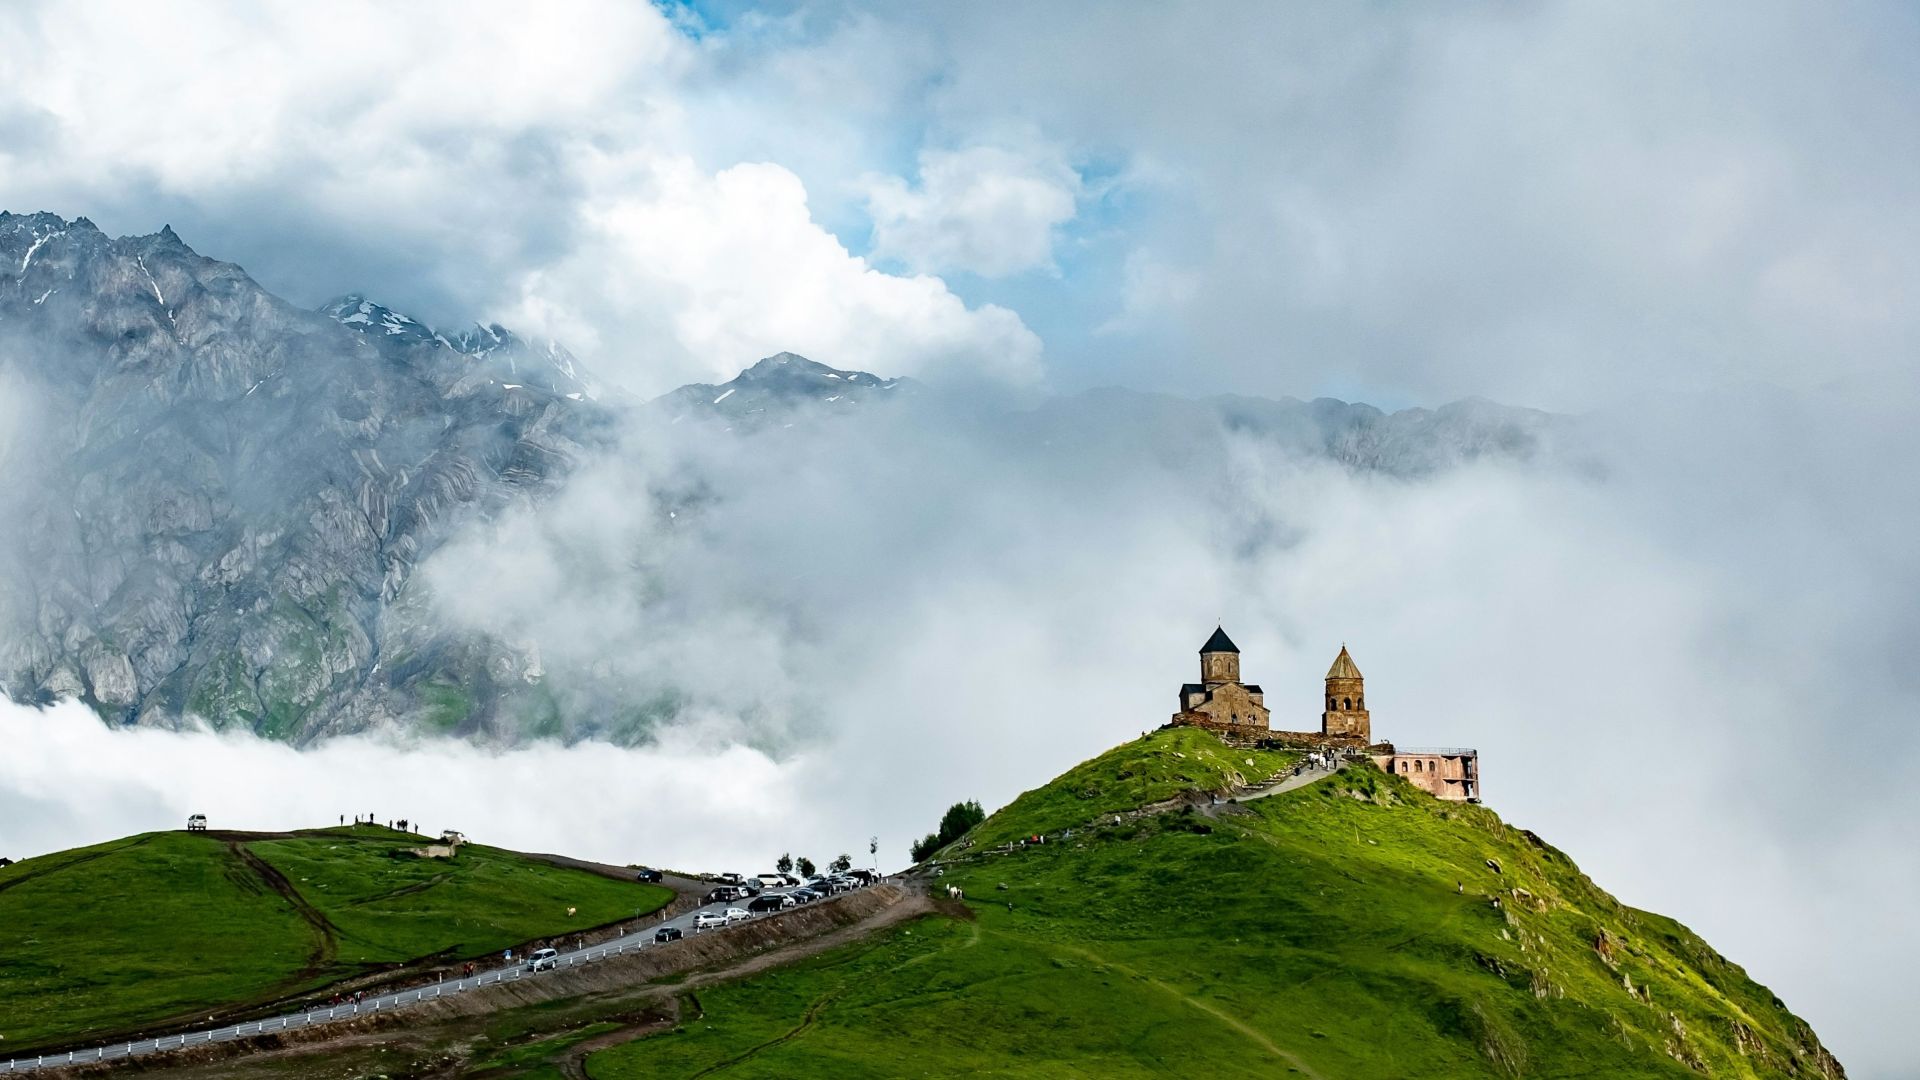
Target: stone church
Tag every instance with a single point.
(1237, 711)
(1220, 699)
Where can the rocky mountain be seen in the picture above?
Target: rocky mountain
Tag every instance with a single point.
(214, 502)
(1188, 432)
(500, 356)
(773, 389)
(217, 498)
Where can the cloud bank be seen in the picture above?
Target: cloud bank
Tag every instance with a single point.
(1561, 205)
(676, 804)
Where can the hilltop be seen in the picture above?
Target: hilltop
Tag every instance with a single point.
(1355, 927)
(172, 928)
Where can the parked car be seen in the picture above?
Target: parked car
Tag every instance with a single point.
(771, 881)
(708, 920)
(730, 879)
(647, 873)
(543, 960)
(770, 901)
(735, 915)
(667, 933)
(865, 877)
(789, 880)
(721, 894)
(804, 896)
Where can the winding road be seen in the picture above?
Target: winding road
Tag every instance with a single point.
(385, 1002)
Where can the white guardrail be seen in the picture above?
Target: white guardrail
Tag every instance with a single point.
(311, 1017)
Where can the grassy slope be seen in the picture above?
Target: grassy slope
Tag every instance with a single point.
(1146, 771)
(160, 927)
(1321, 931)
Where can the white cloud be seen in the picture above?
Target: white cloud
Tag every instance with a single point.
(496, 160)
(986, 210)
(687, 802)
(679, 274)
(1151, 289)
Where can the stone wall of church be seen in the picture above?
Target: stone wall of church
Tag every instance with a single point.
(1226, 729)
(1233, 704)
(1220, 667)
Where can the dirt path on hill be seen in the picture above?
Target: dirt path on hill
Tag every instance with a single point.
(327, 945)
(573, 1062)
(819, 1005)
(912, 905)
(1251, 1033)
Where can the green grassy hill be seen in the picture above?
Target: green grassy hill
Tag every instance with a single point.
(1355, 927)
(171, 927)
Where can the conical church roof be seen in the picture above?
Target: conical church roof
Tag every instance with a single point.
(1343, 667)
(1219, 642)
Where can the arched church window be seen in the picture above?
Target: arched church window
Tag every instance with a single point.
(1416, 766)
(1363, 703)
(1348, 701)
(1332, 705)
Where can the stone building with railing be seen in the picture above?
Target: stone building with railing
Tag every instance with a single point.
(1450, 772)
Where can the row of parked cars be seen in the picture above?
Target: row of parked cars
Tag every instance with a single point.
(766, 893)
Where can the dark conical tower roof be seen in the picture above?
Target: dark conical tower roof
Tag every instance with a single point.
(1219, 642)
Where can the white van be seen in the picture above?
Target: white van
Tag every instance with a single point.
(543, 960)
(771, 881)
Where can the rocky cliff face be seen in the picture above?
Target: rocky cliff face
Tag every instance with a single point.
(212, 503)
(215, 499)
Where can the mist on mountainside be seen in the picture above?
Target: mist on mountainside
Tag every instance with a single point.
(225, 513)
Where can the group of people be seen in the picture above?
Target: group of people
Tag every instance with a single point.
(1317, 759)
(369, 819)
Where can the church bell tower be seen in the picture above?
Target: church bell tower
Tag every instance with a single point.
(1346, 700)
(1219, 660)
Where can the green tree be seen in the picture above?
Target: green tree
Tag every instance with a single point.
(842, 864)
(785, 865)
(805, 866)
(959, 818)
